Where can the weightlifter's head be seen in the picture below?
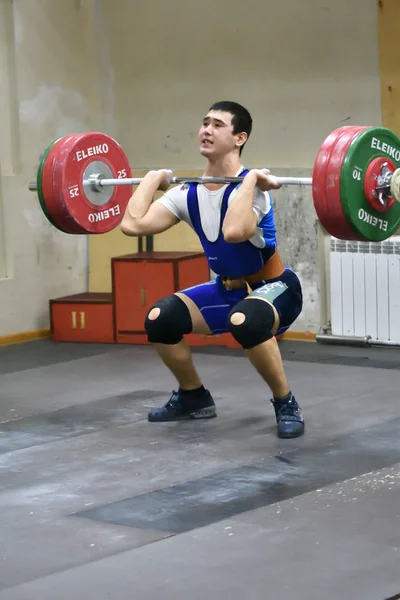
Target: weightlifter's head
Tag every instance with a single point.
(225, 129)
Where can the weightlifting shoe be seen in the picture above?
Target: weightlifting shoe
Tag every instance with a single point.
(185, 406)
(288, 417)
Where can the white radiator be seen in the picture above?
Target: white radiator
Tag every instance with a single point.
(365, 288)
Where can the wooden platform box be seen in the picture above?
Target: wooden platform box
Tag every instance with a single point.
(86, 317)
(139, 280)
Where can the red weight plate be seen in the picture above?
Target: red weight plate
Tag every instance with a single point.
(340, 225)
(68, 222)
(55, 210)
(319, 176)
(92, 211)
(371, 174)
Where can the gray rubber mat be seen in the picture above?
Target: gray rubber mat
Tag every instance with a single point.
(41, 353)
(310, 352)
(77, 420)
(197, 503)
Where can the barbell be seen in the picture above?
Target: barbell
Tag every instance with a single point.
(83, 183)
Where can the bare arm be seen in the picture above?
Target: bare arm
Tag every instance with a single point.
(141, 216)
(240, 221)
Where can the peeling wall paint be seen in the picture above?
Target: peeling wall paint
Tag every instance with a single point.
(297, 226)
(56, 77)
(60, 109)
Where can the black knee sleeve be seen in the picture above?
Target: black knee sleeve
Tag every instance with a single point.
(173, 321)
(257, 325)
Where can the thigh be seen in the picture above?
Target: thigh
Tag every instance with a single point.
(285, 295)
(208, 307)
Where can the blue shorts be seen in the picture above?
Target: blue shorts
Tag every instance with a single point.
(215, 302)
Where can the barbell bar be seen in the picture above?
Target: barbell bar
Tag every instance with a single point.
(204, 179)
(97, 182)
(83, 184)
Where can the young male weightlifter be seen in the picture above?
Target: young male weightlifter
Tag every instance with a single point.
(254, 296)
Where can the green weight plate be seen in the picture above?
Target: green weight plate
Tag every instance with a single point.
(366, 221)
(39, 185)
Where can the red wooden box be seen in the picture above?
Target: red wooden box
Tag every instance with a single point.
(86, 317)
(139, 280)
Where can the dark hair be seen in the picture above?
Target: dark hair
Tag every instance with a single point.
(241, 118)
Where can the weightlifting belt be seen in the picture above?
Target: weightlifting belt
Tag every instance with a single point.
(273, 268)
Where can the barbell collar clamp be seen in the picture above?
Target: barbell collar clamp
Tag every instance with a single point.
(95, 182)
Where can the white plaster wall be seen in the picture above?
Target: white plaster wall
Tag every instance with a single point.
(51, 77)
(302, 68)
(146, 73)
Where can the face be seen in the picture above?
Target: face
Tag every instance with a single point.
(216, 137)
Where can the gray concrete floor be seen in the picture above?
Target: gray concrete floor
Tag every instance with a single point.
(95, 502)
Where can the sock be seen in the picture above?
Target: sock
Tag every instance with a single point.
(190, 393)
